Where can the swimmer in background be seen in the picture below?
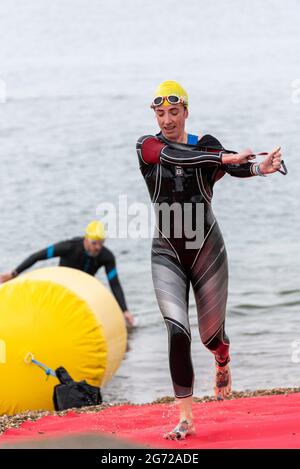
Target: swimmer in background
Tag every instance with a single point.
(83, 253)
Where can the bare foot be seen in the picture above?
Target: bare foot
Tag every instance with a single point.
(183, 429)
(223, 382)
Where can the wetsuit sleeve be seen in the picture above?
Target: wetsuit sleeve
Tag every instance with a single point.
(238, 170)
(55, 250)
(148, 149)
(152, 151)
(112, 276)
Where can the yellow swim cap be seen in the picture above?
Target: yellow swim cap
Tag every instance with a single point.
(95, 230)
(170, 87)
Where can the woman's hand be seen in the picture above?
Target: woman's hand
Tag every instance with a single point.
(238, 158)
(272, 162)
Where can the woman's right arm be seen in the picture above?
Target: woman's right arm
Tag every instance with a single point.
(151, 150)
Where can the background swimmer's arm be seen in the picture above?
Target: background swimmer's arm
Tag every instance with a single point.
(55, 250)
(112, 276)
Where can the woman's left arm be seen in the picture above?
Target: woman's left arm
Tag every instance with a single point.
(271, 162)
(236, 165)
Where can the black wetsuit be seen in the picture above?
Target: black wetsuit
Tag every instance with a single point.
(72, 254)
(185, 175)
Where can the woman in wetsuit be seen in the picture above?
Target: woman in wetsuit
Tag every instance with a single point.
(180, 171)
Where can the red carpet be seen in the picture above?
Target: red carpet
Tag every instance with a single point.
(257, 422)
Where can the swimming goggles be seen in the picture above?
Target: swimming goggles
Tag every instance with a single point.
(172, 99)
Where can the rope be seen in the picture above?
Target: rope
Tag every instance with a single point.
(29, 358)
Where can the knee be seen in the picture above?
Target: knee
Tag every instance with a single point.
(219, 344)
(180, 359)
(179, 337)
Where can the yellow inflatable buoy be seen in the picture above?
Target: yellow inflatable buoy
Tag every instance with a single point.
(61, 317)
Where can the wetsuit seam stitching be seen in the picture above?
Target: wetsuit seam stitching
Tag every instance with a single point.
(180, 327)
(183, 397)
(214, 335)
(156, 178)
(139, 150)
(199, 250)
(159, 184)
(204, 190)
(190, 158)
(169, 243)
(172, 263)
(199, 187)
(182, 163)
(214, 174)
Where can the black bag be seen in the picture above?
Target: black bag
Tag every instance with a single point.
(71, 393)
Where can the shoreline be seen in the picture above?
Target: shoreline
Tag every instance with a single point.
(15, 421)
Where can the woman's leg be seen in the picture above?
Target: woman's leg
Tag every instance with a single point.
(171, 286)
(210, 284)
